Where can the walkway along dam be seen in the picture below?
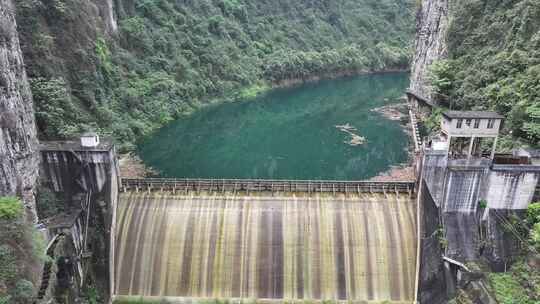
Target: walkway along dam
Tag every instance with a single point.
(271, 240)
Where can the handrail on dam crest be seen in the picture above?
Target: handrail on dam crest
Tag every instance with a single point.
(258, 185)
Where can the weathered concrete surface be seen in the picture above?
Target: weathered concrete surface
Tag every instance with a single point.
(18, 141)
(430, 42)
(461, 235)
(462, 189)
(73, 171)
(434, 173)
(502, 244)
(459, 185)
(511, 188)
(432, 282)
(76, 172)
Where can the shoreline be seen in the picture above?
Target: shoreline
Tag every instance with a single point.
(263, 87)
(405, 170)
(130, 165)
(292, 82)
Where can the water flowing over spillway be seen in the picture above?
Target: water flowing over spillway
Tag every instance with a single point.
(264, 246)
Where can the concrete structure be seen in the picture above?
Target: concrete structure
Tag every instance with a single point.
(458, 185)
(68, 234)
(532, 154)
(419, 102)
(90, 140)
(266, 240)
(461, 195)
(73, 168)
(470, 125)
(475, 193)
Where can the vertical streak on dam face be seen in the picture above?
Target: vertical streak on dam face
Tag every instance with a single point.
(289, 246)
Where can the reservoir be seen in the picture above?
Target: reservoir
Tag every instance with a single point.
(318, 131)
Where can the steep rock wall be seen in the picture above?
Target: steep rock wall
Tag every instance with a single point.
(430, 42)
(18, 142)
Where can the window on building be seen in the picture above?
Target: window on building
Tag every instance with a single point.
(476, 123)
(468, 122)
(491, 123)
(459, 123)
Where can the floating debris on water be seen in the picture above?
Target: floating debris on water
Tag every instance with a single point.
(393, 111)
(356, 140)
(346, 127)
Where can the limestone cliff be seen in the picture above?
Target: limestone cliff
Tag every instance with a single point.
(18, 142)
(430, 43)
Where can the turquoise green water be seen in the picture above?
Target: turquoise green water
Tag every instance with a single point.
(287, 134)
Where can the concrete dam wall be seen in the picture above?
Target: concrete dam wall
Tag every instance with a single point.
(512, 187)
(479, 195)
(459, 185)
(266, 246)
(72, 172)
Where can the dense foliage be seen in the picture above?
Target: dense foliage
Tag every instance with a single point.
(10, 208)
(170, 56)
(494, 62)
(520, 285)
(21, 249)
(533, 221)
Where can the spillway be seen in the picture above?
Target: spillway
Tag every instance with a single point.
(289, 246)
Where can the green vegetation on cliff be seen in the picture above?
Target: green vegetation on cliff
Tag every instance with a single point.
(21, 250)
(494, 62)
(169, 57)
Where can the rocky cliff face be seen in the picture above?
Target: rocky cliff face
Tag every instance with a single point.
(18, 142)
(430, 42)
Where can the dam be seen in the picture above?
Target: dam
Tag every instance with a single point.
(172, 240)
(342, 242)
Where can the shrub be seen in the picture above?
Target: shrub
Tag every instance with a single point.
(8, 267)
(21, 251)
(482, 204)
(92, 295)
(508, 290)
(38, 246)
(433, 122)
(533, 213)
(47, 203)
(24, 292)
(441, 77)
(56, 112)
(5, 299)
(535, 236)
(10, 208)
(520, 285)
